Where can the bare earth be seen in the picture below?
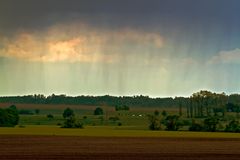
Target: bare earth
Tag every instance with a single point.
(66, 147)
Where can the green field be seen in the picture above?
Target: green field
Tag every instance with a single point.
(126, 120)
(137, 116)
(133, 123)
(109, 131)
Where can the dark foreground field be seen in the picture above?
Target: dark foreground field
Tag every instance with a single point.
(64, 147)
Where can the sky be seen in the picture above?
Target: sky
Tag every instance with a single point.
(159, 48)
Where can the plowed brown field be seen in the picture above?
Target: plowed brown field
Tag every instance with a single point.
(66, 147)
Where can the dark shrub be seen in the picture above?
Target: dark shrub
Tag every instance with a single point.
(98, 111)
(172, 123)
(195, 127)
(37, 111)
(50, 116)
(164, 113)
(68, 113)
(210, 124)
(233, 126)
(25, 112)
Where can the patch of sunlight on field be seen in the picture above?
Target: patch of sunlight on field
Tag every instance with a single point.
(108, 131)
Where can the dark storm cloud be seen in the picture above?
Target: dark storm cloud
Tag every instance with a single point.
(35, 14)
(32, 13)
(201, 24)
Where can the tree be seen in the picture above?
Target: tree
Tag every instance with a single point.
(201, 103)
(154, 123)
(156, 113)
(191, 107)
(9, 117)
(211, 123)
(98, 111)
(164, 113)
(180, 101)
(70, 120)
(237, 111)
(13, 115)
(68, 113)
(195, 126)
(172, 123)
(50, 116)
(231, 107)
(37, 111)
(4, 119)
(233, 126)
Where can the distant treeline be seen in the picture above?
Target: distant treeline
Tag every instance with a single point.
(91, 100)
(141, 101)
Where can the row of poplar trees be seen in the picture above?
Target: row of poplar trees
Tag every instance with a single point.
(203, 104)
